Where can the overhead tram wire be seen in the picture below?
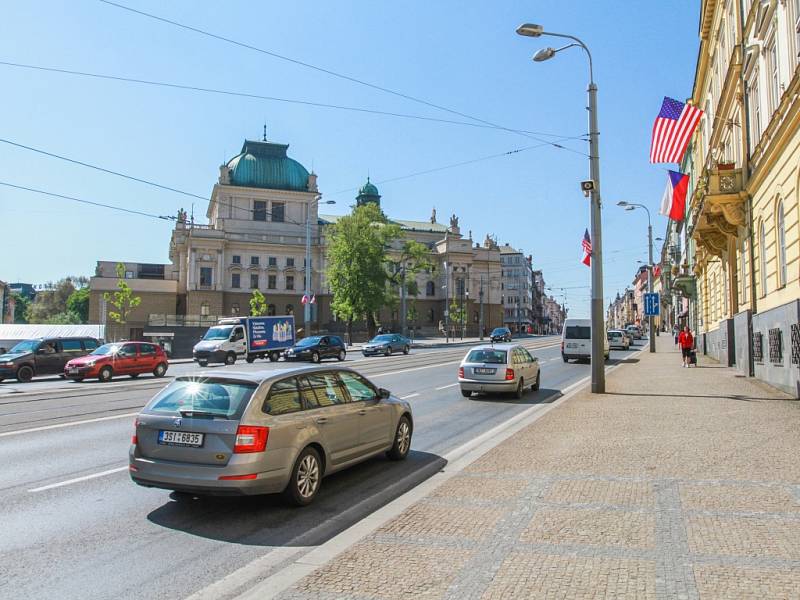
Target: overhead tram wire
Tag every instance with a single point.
(332, 73)
(253, 96)
(83, 201)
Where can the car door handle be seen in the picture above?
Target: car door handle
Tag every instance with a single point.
(321, 420)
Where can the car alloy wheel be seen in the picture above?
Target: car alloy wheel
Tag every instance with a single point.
(388, 351)
(105, 374)
(538, 381)
(24, 374)
(315, 357)
(160, 369)
(520, 389)
(230, 358)
(406, 350)
(342, 355)
(402, 440)
(306, 477)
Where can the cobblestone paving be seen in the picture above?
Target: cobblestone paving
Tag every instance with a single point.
(676, 484)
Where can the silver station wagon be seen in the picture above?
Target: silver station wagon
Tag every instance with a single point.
(265, 432)
(498, 368)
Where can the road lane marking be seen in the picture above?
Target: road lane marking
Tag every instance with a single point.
(444, 387)
(70, 424)
(78, 479)
(409, 396)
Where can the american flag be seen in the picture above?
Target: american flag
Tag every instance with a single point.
(586, 244)
(674, 125)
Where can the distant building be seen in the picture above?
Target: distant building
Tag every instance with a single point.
(517, 279)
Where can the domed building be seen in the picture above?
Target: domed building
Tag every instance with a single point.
(260, 209)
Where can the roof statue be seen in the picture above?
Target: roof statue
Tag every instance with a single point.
(433, 215)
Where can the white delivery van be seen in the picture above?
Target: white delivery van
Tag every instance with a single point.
(576, 340)
(248, 337)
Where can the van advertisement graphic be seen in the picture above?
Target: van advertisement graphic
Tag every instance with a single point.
(268, 332)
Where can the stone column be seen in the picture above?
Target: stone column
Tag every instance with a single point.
(190, 286)
(220, 271)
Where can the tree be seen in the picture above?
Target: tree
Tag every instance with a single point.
(123, 299)
(78, 303)
(21, 305)
(258, 304)
(50, 302)
(68, 317)
(403, 267)
(457, 314)
(357, 264)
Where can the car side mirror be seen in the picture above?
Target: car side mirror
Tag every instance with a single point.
(383, 393)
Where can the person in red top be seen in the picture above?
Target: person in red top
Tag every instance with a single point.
(686, 342)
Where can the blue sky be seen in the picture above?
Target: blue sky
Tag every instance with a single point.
(462, 55)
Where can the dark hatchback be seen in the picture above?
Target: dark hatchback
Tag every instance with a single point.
(317, 347)
(43, 356)
(501, 334)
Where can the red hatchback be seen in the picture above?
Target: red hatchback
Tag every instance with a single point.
(121, 358)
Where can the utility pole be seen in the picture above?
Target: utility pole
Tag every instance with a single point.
(480, 324)
(403, 328)
(446, 303)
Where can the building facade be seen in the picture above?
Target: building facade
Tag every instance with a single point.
(260, 209)
(517, 285)
(739, 271)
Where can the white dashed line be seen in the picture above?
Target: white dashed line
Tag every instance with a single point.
(78, 479)
(444, 387)
(409, 396)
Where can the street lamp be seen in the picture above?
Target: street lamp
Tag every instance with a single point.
(634, 206)
(307, 291)
(598, 323)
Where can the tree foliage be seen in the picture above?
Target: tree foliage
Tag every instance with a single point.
(258, 304)
(51, 302)
(123, 299)
(403, 265)
(78, 303)
(21, 305)
(357, 263)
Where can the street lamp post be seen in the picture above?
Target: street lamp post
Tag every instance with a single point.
(598, 325)
(446, 303)
(633, 206)
(307, 291)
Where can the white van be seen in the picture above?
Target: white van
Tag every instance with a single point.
(576, 340)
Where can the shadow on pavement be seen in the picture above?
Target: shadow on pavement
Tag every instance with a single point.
(542, 396)
(718, 397)
(344, 499)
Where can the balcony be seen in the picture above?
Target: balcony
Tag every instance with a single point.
(720, 198)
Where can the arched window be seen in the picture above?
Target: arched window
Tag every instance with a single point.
(762, 257)
(780, 240)
(430, 289)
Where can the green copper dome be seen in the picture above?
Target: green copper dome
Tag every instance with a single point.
(368, 193)
(265, 165)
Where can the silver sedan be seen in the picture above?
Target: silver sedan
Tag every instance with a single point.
(498, 368)
(265, 432)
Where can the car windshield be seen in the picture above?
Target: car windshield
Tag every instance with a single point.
(212, 396)
(309, 341)
(579, 332)
(106, 349)
(499, 331)
(382, 338)
(218, 333)
(495, 357)
(614, 334)
(26, 346)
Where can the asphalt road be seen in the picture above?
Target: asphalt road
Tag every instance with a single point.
(73, 525)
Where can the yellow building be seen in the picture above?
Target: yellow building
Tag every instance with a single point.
(742, 234)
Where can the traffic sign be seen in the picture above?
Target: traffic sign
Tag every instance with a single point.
(652, 305)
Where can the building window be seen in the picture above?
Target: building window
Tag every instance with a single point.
(271, 310)
(743, 267)
(755, 107)
(272, 261)
(796, 24)
(205, 276)
(235, 308)
(204, 309)
(290, 262)
(236, 280)
(253, 281)
(762, 257)
(430, 289)
(774, 77)
(289, 309)
(290, 282)
(278, 212)
(254, 261)
(272, 282)
(259, 210)
(237, 260)
(780, 239)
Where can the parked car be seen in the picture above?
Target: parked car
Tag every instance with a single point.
(635, 331)
(500, 334)
(617, 339)
(43, 356)
(124, 358)
(265, 432)
(576, 340)
(317, 347)
(498, 368)
(386, 344)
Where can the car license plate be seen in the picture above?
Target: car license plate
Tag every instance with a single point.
(572, 345)
(73, 371)
(180, 438)
(483, 371)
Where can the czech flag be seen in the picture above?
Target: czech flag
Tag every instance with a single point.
(673, 204)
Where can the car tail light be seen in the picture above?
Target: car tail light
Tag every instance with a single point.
(134, 437)
(461, 372)
(509, 374)
(132, 468)
(237, 477)
(250, 438)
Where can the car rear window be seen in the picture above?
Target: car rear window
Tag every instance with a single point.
(496, 357)
(579, 332)
(216, 397)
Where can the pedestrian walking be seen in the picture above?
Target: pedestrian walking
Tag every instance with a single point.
(686, 342)
(675, 332)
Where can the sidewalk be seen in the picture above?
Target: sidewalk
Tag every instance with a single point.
(677, 483)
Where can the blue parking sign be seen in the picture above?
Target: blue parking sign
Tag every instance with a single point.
(652, 305)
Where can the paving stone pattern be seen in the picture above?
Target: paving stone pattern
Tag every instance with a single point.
(678, 483)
